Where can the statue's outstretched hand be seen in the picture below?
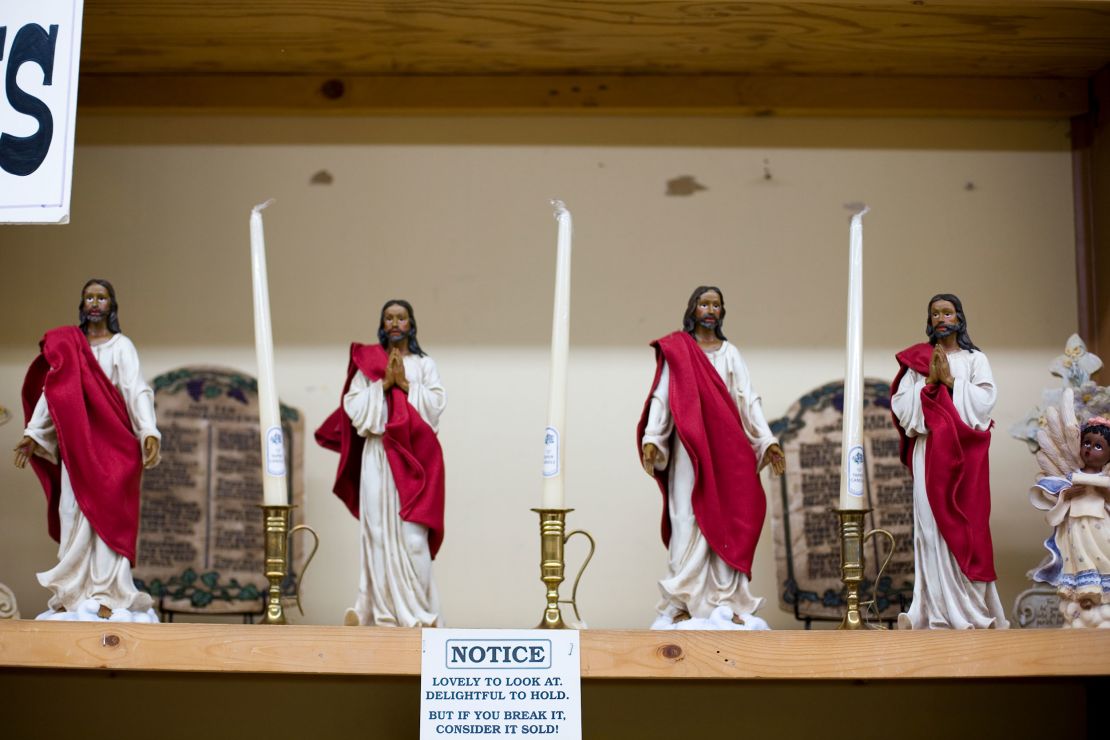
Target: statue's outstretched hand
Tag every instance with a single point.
(775, 458)
(24, 450)
(651, 454)
(151, 447)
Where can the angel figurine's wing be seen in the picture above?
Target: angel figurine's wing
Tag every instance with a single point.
(1058, 437)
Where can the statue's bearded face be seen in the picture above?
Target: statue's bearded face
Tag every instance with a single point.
(943, 318)
(709, 309)
(396, 324)
(96, 303)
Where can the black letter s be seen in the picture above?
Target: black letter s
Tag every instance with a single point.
(22, 155)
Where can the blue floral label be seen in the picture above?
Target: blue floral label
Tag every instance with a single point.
(550, 452)
(275, 451)
(855, 471)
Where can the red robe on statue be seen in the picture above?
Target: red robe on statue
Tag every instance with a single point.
(957, 470)
(728, 499)
(96, 443)
(411, 447)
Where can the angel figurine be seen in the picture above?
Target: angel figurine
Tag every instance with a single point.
(1075, 491)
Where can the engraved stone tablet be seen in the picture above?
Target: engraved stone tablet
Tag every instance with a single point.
(807, 545)
(200, 531)
(1038, 608)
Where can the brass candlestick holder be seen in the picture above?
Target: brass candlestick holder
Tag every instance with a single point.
(852, 540)
(276, 521)
(552, 564)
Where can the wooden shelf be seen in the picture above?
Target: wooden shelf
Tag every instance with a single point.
(606, 654)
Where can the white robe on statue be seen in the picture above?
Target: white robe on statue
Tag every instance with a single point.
(698, 580)
(395, 576)
(88, 570)
(943, 597)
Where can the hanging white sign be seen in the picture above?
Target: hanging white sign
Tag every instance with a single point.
(500, 682)
(40, 44)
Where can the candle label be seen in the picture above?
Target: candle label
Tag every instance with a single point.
(550, 452)
(855, 471)
(275, 451)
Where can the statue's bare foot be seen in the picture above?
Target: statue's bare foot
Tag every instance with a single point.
(737, 619)
(681, 616)
(103, 612)
(1088, 601)
(350, 618)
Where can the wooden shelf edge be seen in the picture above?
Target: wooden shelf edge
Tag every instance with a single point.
(747, 95)
(606, 654)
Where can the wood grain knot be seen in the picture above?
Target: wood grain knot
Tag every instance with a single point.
(671, 652)
(109, 640)
(333, 89)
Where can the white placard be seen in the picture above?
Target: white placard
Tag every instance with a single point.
(500, 682)
(38, 108)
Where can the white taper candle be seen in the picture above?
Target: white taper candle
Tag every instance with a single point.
(554, 436)
(273, 441)
(852, 458)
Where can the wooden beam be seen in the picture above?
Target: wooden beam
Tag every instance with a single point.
(637, 654)
(1091, 192)
(648, 95)
(1082, 170)
(984, 38)
(1100, 204)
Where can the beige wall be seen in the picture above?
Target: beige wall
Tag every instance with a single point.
(453, 214)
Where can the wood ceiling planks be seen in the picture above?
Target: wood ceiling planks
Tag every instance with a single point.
(533, 37)
(757, 57)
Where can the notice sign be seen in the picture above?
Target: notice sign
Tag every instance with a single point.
(500, 682)
(40, 48)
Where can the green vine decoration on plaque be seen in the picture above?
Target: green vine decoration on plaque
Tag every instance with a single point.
(210, 384)
(200, 589)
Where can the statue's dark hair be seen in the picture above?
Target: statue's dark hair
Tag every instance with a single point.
(414, 346)
(688, 320)
(113, 309)
(962, 339)
(1099, 429)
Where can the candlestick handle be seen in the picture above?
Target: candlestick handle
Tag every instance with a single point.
(573, 601)
(886, 561)
(315, 547)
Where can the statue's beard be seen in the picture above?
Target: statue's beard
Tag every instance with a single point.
(400, 338)
(944, 330)
(709, 323)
